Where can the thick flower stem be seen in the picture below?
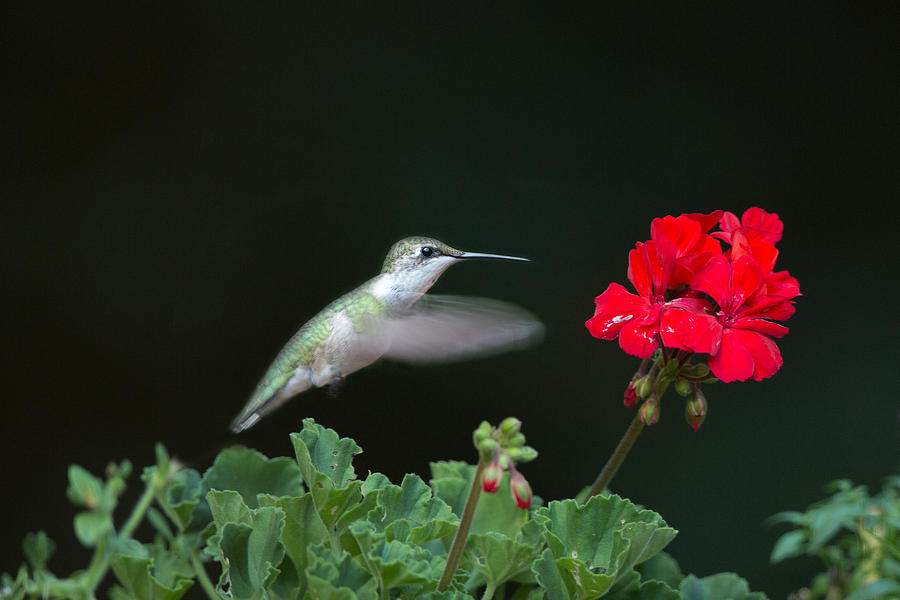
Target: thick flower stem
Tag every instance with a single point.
(615, 461)
(465, 522)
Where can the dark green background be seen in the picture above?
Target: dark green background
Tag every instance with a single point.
(184, 186)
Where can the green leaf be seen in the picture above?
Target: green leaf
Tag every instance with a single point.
(325, 462)
(595, 544)
(302, 527)
(528, 592)
(14, 589)
(129, 547)
(498, 557)
(881, 588)
(228, 507)
(394, 563)
(321, 451)
(551, 579)
(448, 595)
(718, 587)
(38, 549)
(632, 588)
(136, 575)
(789, 545)
(253, 552)
(397, 564)
(181, 497)
(370, 489)
(607, 532)
(662, 567)
(638, 542)
(250, 473)
(84, 489)
(337, 576)
(287, 584)
(92, 525)
(409, 512)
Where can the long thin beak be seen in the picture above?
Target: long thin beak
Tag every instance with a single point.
(483, 255)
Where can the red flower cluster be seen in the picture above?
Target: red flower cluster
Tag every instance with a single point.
(694, 296)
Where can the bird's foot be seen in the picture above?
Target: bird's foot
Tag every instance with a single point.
(335, 386)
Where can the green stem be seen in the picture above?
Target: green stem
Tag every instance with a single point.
(203, 578)
(488, 591)
(103, 553)
(465, 522)
(615, 461)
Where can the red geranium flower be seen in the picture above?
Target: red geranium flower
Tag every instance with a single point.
(635, 319)
(737, 336)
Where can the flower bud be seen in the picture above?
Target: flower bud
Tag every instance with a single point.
(516, 440)
(683, 387)
(650, 411)
(643, 386)
(630, 395)
(482, 433)
(490, 477)
(520, 489)
(698, 370)
(672, 366)
(522, 454)
(510, 426)
(695, 409)
(487, 446)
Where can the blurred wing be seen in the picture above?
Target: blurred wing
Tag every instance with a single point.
(448, 328)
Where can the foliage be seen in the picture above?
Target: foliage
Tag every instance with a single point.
(309, 528)
(856, 535)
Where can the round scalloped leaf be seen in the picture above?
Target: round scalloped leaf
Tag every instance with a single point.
(250, 473)
(136, 575)
(715, 587)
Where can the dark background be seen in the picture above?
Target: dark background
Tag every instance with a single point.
(185, 185)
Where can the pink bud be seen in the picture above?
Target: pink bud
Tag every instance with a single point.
(695, 409)
(630, 394)
(521, 491)
(650, 411)
(490, 477)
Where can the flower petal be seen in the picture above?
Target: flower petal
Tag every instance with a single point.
(746, 277)
(782, 284)
(755, 247)
(639, 340)
(715, 280)
(682, 231)
(745, 354)
(672, 323)
(650, 266)
(733, 361)
(766, 225)
(767, 307)
(762, 326)
(707, 222)
(729, 223)
(615, 307)
(701, 333)
(766, 356)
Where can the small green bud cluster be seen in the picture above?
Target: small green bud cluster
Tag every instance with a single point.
(649, 385)
(501, 448)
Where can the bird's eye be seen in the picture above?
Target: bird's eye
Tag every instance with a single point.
(427, 251)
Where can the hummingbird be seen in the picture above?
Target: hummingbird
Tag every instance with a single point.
(391, 316)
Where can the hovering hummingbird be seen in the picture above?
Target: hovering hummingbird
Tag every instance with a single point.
(390, 316)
